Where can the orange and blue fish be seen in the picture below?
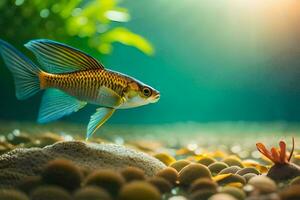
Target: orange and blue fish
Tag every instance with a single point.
(72, 79)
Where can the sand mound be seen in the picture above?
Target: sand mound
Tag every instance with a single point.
(20, 163)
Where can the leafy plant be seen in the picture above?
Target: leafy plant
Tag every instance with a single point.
(97, 22)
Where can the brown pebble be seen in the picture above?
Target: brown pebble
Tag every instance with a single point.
(290, 193)
(5, 147)
(192, 172)
(132, 174)
(161, 184)
(17, 138)
(206, 160)
(203, 184)
(232, 178)
(230, 170)
(263, 184)
(233, 161)
(236, 192)
(222, 196)
(249, 176)
(12, 194)
(50, 193)
(216, 167)
(295, 181)
(63, 173)
(139, 190)
(110, 180)
(91, 193)
(170, 174)
(165, 158)
(201, 194)
(178, 165)
(248, 170)
(30, 183)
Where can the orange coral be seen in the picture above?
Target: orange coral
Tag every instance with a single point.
(277, 156)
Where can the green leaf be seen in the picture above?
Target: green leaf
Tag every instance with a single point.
(126, 37)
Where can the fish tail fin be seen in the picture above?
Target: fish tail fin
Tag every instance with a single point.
(25, 72)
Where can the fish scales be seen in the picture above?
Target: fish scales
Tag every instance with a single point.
(85, 84)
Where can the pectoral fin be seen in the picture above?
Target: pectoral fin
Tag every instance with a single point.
(108, 98)
(56, 104)
(98, 119)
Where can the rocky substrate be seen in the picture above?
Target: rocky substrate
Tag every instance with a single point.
(92, 171)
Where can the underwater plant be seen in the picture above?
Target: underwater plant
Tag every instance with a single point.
(98, 23)
(282, 169)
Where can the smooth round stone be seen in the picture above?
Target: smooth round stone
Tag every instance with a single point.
(236, 192)
(201, 194)
(295, 181)
(132, 174)
(165, 158)
(91, 193)
(230, 170)
(138, 190)
(263, 184)
(180, 164)
(177, 198)
(222, 196)
(50, 193)
(170, 174)
(12, 194)
(216, 167)
(203, 184)
(290, 193)
(233, 178)
(192, 172)
(206, 160)
(233, 161)
(161, 184)
(247, 170)
(249, 176)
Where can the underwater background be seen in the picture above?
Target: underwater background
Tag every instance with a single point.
(212, 61)
(226, 126)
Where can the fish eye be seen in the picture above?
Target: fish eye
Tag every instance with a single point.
(147, 92)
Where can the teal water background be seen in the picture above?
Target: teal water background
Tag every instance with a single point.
(214, 61)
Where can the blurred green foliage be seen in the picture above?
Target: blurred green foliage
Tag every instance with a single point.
(93, 23)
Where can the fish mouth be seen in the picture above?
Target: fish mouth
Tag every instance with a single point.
(156, 98)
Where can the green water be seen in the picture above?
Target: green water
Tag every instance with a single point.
(214, 61)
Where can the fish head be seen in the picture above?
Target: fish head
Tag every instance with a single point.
(138, 94)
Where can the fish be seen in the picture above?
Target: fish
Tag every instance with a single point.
(71, 79)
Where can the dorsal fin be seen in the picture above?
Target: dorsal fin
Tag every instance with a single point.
(56, 57)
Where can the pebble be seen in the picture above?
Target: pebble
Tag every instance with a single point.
(216, 167)
(179, 164)
(192, 172)
(230, 170)
(139, 190)
(248, 170)
(263, 184)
